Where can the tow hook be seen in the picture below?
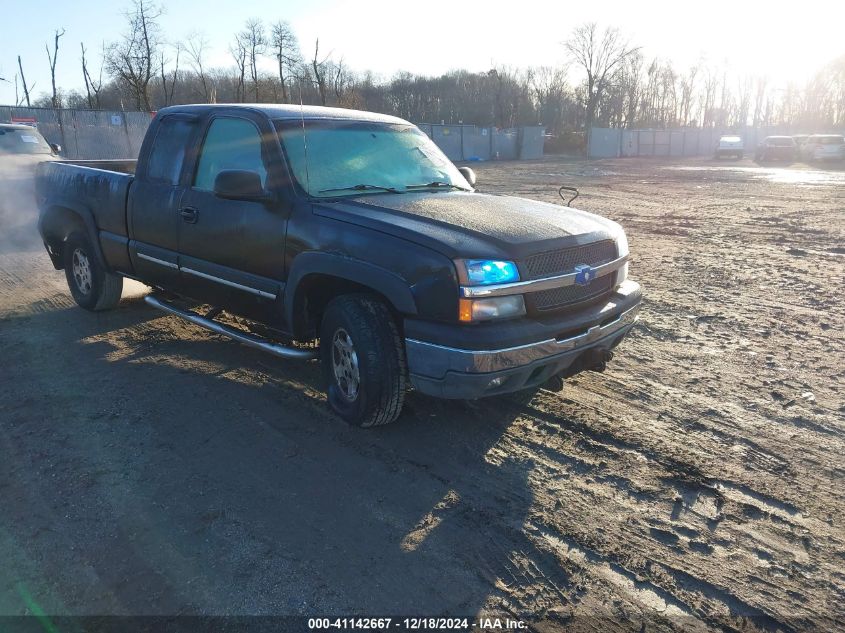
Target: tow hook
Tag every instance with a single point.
(596, 359)
(554, 383)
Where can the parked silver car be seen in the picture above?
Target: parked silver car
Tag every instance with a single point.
(823, 147)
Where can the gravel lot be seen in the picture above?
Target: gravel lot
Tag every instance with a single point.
(150, 467)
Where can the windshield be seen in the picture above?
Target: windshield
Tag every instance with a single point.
(349, 158)
(830, 140)
(22, 141)
(780, 141)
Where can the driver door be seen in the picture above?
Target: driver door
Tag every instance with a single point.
(231, 252)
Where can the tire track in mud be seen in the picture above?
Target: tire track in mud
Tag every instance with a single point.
(638, 583)
(519, 587)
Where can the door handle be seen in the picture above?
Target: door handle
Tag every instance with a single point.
(189, 214)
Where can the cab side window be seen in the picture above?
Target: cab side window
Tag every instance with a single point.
(229, 144)
(168, 151)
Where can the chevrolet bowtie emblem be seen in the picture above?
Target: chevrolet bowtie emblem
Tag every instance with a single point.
(584, 274)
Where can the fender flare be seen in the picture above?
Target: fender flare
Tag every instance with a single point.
(59, 205)
(387, 283)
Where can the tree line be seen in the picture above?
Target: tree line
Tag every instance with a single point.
(604, 80)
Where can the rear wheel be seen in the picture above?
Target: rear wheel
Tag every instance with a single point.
(92, 287)
(363, 360)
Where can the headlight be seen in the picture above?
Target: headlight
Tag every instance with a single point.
(483, 272)
(471, 310)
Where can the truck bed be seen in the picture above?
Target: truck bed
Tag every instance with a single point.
(98, 187)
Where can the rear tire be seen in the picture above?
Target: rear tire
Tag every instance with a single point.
(92, 287)
(363, 361)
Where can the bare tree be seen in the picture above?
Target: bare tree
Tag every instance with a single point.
(240, 52)
(195, 48)
(319, 72)
(743, 104)
(26, 89)
(88, 87)
(167, 93)
(760, 84)
(687, 92)
(549, 92)
(341, 81)
(90, 84)
(836, 70)
(631, 79)
(286, 50)
(130, 60)
(708, 98)
(598, 54)
(724, 100)
(53, 58)
(253, 42)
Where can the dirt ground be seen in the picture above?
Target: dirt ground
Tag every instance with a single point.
(150, 467)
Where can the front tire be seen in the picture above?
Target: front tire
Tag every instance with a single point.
(363, 360)
(92, 287)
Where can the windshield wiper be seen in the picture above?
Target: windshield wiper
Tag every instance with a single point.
(436, 184)
(362, 187)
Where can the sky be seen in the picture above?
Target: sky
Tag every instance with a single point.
(786, 41)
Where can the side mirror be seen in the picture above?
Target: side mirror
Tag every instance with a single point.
(468, 175)
(57, 149)
(238, 184)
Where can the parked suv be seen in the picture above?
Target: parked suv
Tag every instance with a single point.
(351, 231)
(729, 146)
(776, 148)
(823, 147)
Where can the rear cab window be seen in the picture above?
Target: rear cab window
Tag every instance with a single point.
(167, 154)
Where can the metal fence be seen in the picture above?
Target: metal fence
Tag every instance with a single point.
(86, 133)
(470, 142)
(92, 134)
(619, 142)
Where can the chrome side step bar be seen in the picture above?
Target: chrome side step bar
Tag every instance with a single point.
(232, 333)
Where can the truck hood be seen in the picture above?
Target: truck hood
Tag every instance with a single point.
(460, 224)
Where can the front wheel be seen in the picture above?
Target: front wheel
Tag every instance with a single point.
(92, 287)
(363, 360)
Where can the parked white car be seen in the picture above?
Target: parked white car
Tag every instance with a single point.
(729, 146)
(819, 147)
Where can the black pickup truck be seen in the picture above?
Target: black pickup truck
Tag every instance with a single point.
(350, 229)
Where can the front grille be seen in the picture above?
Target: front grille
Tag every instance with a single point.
(564, 261)
(570, 295)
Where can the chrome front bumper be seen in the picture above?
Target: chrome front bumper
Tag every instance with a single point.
(454, 372)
